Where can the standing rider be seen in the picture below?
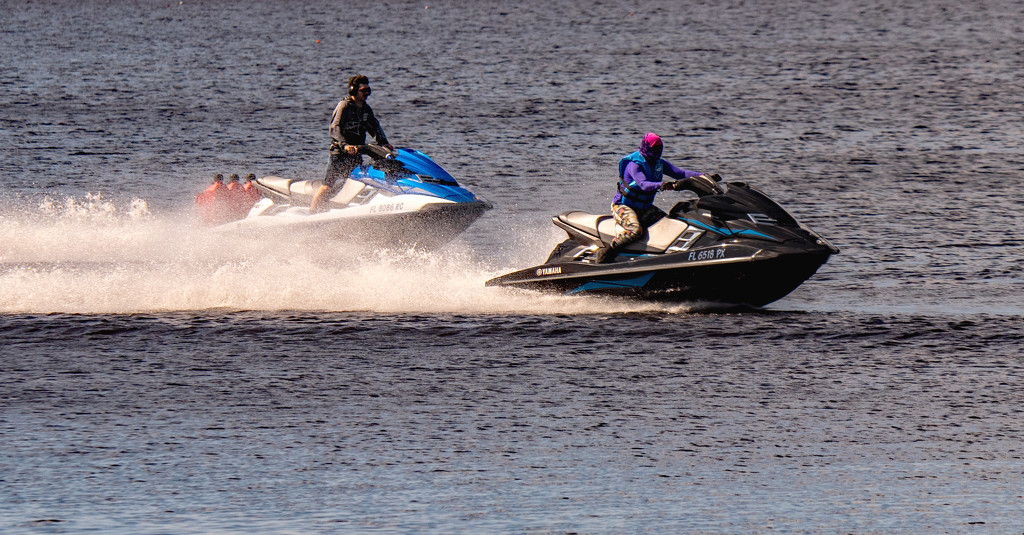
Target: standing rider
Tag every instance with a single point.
(639, 181)
(352, 120)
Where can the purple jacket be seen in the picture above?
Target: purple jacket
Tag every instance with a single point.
(635, 174)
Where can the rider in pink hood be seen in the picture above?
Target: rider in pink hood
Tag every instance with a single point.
(640, 176)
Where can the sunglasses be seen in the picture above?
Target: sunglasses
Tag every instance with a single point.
(366, 91)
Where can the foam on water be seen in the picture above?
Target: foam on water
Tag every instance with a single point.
(91, 255)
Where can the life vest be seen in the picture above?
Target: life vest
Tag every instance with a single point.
(221, 202)
(212, 204)
(251, 192)
(207, 196)
(632, 195)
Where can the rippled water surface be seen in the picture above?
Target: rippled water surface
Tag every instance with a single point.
(158, 379)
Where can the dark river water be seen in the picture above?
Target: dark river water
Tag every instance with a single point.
(155, 378)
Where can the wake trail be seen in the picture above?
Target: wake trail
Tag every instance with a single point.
(92, 256)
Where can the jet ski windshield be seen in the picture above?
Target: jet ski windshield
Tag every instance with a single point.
(392, 168)
(404, 163)
(744, 202)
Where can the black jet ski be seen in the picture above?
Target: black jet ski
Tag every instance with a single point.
(731, 245)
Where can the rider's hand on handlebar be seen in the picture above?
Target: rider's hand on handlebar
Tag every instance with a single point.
(668, 185)
(351, 149)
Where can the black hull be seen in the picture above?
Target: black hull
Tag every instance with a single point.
(749, 282)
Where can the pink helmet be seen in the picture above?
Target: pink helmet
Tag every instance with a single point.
(651, 146)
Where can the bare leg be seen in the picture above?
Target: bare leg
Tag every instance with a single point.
(319, 198)
(340, 167)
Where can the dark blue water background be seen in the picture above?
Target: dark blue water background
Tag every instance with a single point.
(157, 379)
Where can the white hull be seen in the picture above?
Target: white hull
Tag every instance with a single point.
(404, 220)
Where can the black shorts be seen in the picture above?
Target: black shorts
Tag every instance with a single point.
(341, 165)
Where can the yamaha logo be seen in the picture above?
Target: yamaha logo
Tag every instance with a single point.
(549, 271)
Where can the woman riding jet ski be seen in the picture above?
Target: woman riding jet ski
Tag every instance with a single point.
(731, 245)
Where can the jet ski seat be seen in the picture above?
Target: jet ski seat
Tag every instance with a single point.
(301, 191)
(276, 184)
(600, 230)
(584, 224)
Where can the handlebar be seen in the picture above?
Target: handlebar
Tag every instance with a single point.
(376, 152)
(703, 184)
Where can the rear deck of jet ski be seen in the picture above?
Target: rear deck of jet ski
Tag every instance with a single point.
(581, 226)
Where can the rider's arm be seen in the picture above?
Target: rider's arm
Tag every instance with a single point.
(373, 127)
(635, 174)
(677, 172)
(335, 129)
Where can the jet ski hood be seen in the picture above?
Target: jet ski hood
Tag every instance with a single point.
(421, 164)
(408, 171)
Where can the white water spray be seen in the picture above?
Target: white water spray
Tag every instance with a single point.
(95, 257)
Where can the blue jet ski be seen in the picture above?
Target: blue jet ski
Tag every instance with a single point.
(400, 198)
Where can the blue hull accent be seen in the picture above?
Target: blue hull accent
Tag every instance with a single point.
(636, 282)
(728, 232)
